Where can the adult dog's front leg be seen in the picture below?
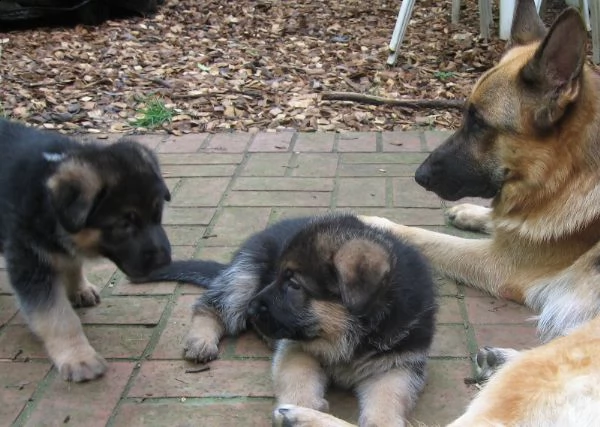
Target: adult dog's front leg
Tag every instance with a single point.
(473, 262)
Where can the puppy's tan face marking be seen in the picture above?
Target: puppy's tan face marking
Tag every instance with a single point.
(87, 241)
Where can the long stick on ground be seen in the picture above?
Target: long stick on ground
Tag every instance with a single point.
(377, 100)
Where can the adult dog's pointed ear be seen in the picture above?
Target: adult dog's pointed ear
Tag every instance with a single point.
(362, 267)
(74, 188)
(556, 68)
(527, 27)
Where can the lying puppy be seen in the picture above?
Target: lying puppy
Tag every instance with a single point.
(345, 302)
(60, 202)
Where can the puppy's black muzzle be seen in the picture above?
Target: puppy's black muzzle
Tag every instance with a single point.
(149, 252)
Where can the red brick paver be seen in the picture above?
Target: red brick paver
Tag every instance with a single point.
(226, 186)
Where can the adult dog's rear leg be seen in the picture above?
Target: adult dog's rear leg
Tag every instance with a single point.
(473, 262)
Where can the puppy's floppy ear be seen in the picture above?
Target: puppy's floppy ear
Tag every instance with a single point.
(527, 27)
(362, 267)
(556, 68)
(73, 189)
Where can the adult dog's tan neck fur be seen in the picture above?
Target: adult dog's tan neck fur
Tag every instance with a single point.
(555, 189)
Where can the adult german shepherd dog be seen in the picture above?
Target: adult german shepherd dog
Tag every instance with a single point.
(530, 139)
(61, 202)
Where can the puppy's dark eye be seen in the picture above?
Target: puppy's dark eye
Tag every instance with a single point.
(293, 284)
(130, 219)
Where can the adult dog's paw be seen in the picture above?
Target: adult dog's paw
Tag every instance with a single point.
(470, 217)
(489, 359)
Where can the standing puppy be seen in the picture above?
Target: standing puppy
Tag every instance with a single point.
(60, 202)
(346, 303)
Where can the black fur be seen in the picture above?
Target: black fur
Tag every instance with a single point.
(398, 316)
(117, 213)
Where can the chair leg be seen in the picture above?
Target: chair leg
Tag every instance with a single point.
(595, 24)
(398, 35)
(485, 18)
(455, 11)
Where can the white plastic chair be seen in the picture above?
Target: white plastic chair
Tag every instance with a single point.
(590, 8)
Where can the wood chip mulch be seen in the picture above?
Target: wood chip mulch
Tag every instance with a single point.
(247, 65)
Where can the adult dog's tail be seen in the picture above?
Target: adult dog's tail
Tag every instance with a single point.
(197, 272)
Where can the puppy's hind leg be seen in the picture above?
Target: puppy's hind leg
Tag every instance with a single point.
(79, 290)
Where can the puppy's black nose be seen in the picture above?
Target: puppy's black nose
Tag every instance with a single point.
(256, 307)
(157, 258)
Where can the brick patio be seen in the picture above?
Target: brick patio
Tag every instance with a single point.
(226, 186)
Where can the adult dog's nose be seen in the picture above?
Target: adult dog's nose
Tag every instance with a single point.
(423, 175)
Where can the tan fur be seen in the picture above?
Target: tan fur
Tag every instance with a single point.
(544, 249)
(87, 241)
(66, 344)
(292, 367)
(202, 340)
(336, 327)
(76, 171)
(556, 384)
(385, 400)
(79, 290)
(545, 225)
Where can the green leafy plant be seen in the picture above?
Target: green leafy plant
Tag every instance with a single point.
(443, 75)
(154, 114)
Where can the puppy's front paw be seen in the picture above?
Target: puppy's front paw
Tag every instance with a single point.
(200, 350)
(80, 364)
(489, 359)
(86, 296)
(298, 416)
(470, 217)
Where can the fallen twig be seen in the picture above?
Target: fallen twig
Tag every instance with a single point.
(377, 100)
(196, 370)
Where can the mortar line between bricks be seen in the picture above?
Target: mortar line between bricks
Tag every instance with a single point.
(469, 331)
(336, 184)
(423, 141)
(198, 401)
(156, 334)
(292, 164)
(36, 397)
(336, 143)
(378, 142)
(292, 147)
(219, 209)
(204, 143)
(389, 192)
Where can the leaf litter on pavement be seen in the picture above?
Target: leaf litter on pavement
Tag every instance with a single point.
(247, 65)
